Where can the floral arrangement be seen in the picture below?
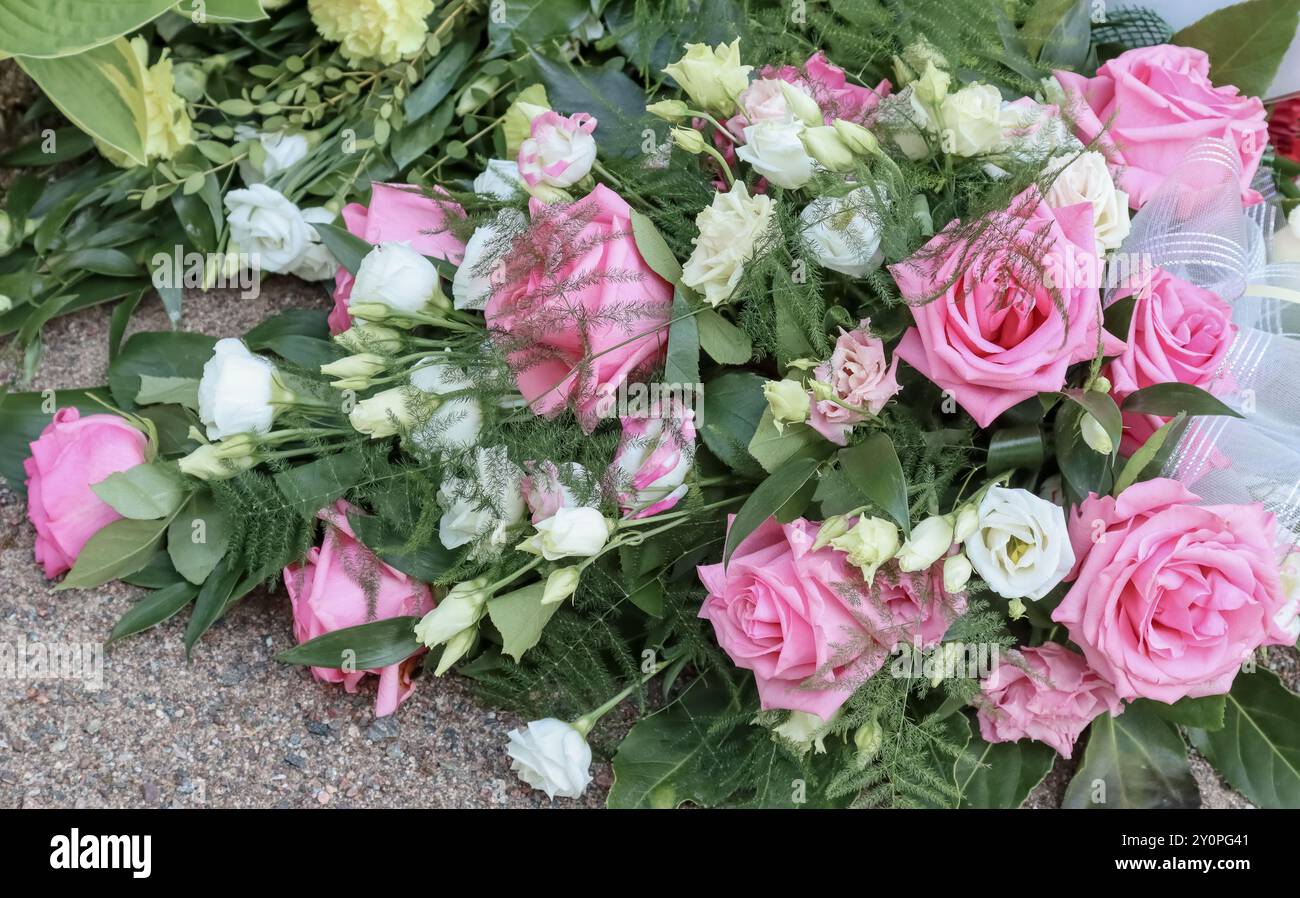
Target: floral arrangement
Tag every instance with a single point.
(874, 404)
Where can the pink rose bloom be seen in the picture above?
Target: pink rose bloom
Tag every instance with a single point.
(994, 337)
(859, 375)
(560, 150)
(342, 584)
(653, 458)
(548, 487)
(830, 88)
(911, 608)
(1153, 104)
(778, 609)
(72, 453)
(398, 213)
(1048, 694)
(1180, 333)
(1169, 596)
(579, 311)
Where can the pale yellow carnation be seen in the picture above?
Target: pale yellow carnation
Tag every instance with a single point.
(385, 30)
(712, 77)
(167, 120)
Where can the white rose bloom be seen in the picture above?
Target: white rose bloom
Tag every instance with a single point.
(396, 276)
(500, 180)
(552, 756)
(570, 533)
(842, 233)
(483, 509)
(472, 284)
(774, 149)
(1087, 179)
(456, 423)
(283, 149)
(236, 390)
(265, 222)
(1022, 547)
(730, 229)
(317, 262)
(972, 120)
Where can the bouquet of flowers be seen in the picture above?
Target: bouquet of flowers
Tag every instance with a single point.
(880, 400)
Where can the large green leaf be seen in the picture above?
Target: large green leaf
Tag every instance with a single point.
(1136, 760)
(1206, 712)
(156, 354)
(872, 468)
(212, 600)
(22, 418)
(725, 343)
(197, 538)
(312, 486)
(1001, 775)
(773, 447)
(1258, 749)
(123, 547)
(101, 91)
(682, 366)
(216, 12)
(533, 22)
(364, 647)
(521, 617)
(611, 97)
(766, 499)
(1173, 398)
(1245, 42)
(733, 406)
(60, 27)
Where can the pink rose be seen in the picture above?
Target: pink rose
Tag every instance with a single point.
(72, 453)
(1048, 694)
(653, 458)
(579, 311)
(1150, 105)
(829, 86)
(342, 584)
(560, 150)
(398, 213)
(548, 488)
(1180, 333)
(859, 376)
(1169, 596)
(778, 609)
(911, 608)
(994, 336)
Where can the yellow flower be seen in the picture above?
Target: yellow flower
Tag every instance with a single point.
(385, 30)
(712, 78)
(167, 121)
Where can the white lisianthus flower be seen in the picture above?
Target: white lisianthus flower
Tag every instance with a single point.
(482, 510)
(317, 262)
(560, 151)
(930, 540)
(237, 390)
(868, 544)
(579, 532)
(500, 180)
(775, 150)
(1022, 547)
(552, 756)
(956, 572)
(842, 233)
(458, 419)
(396, 276)
(453, 624)
(283, 149)
(972, 120)
(712, 77)
(265, 222)
(472, 284)
(1087, 179)
(730, 229)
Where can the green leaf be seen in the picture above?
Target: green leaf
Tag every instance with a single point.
(534, 22)
(121, 548)
(766, 499)
(1135, 760)
(658, 764)
(1001, 775)
(346, 248)
(296, 322)
(211, 601)
(145, 492)
(1205, 713)
(611, 97)
(153, 609)
(772, 447)
(1103, 409)
(67, 144)
(1018, 447)
(521, 617)
(438, 83)
(215, 12)
(683, 363)
(22, 418)
(654, 249)
(156, 354)
(312, 486)
(1245, 42)
(1146, 454)
(159, 572)
(1084, 469)
(159, 390)
(1172, 398)
(100, 91)
(426, 563)
(1258, 749)
(873, 469)
(197, 538)
(725, 343)
(60, 27)
(733, 406)
(363, 647)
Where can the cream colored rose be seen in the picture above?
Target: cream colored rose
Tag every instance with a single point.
(712, 78)
(775, 150)
(971, 120)
(729, 229)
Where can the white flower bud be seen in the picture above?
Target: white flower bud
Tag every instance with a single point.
(561, 584)
(869, 544)
(956, 572)
(552, 756)
(929, 541)
(788, 401)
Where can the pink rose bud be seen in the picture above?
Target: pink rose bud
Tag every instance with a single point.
(653, 458)
(857, 375)
(72, 453)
